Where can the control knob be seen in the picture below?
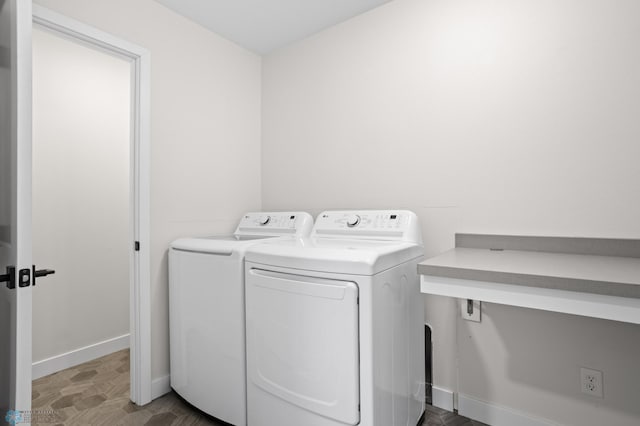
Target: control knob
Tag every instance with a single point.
(353, 220)
(263, 220)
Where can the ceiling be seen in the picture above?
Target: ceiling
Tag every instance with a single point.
(265, 25)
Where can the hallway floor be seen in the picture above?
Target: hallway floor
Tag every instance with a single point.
(97, 393)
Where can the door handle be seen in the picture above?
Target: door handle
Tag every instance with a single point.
(40, 273)
(9, 277)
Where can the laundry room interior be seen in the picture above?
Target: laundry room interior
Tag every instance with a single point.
(490, 117)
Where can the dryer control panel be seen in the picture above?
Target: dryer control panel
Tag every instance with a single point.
(395, 225)
(275, 223)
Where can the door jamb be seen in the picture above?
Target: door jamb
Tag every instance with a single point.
(140, 273)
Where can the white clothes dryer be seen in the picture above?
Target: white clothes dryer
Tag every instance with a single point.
(335, 324)
(207, 312)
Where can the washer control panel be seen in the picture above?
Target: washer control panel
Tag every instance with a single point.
(286, 223)
(375, 224)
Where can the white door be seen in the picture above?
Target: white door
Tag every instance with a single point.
(302, 346)
(15, 207)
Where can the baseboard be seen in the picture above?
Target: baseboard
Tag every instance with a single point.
(79, 356)
(442, 398)
(160, 386)
(496, 415)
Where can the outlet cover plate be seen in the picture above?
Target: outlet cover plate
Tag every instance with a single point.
(591, 382)
(477, 309)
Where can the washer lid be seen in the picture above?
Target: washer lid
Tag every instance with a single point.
(253, 227)
(219, 244)
(356, 257)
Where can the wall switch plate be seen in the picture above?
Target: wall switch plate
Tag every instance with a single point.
(471, 309)
(591, 382)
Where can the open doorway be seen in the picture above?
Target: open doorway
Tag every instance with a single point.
(81, 201)
(91, 198)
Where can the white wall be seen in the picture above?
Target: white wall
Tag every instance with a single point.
(81, 110)
(502, 116)
(205, 131)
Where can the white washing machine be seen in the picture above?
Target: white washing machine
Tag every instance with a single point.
(335, 331)
(207, 312)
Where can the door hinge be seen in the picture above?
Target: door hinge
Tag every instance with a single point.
(136, 246)
(9, 277)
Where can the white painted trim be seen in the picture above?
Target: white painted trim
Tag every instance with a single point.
(78, 356)
(140, 288)
(496, 415)
(80, 31)
(442, 398)
(142, 231)
(21, 74)
(160, 386)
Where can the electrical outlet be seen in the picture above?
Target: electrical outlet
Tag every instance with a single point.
(471, 309)
(591, 382)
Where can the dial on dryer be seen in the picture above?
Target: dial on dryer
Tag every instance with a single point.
(353, 220)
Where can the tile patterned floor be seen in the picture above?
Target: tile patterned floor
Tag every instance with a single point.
(97, 393)
(435, 416)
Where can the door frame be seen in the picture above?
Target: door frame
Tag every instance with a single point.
(139, 211)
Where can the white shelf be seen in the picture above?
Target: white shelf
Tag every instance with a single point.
(625, 309)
